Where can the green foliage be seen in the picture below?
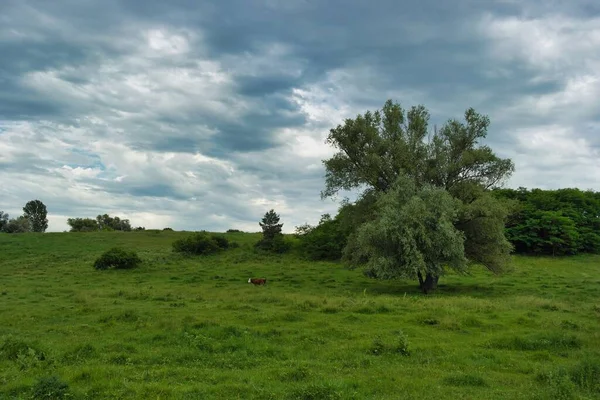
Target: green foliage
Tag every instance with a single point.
(83, 224)
(234, 231)
(35, 211)
(273, 240)
(168, 229)
(553, 222)
(18, 225)
(411, 236)
(101, 223)
(108, 223)
(201, 243)
(323, 242)
(482, 222)
(270, 225)
(375, 148)
(278, 244)
(118, 258)
(378, 150)
(50, 388)
(3, 221)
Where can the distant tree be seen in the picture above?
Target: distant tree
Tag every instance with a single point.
(3, 220)
(36, 212)
(18, 225)
(83, 224)
(140, 228)
(273, 239)
(270, 225)
(377, 150)
(108, 223)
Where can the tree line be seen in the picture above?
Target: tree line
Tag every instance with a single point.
(553, 222)
(33, 219)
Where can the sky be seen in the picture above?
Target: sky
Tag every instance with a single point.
(206, 114)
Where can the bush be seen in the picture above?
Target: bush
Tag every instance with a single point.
(233, 231)
(201, 243)
(276, 245)
(118, 258)
(167, 229)
(323, 242)
(52, 388)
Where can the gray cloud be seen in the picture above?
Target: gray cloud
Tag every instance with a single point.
(205, 115)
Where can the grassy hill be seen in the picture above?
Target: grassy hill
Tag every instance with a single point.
(193, 328)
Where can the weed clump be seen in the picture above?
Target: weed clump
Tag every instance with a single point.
(51, 388)
(118, 258)
(13, 349)
(201, 243)
(399, 346)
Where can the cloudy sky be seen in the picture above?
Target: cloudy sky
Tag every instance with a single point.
(206, 114)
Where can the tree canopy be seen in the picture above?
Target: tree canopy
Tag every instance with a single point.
(390, 154)
(35, 211)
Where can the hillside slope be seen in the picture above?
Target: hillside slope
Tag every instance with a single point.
(187, 328)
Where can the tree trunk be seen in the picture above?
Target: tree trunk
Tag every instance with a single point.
(428, 284)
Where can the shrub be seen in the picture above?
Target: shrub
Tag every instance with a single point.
(167, 229)
(51, 388)
(201, 243)
(323, 242)
(118, 258)
(233, 231)
(276, 245)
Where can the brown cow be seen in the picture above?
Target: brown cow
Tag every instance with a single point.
(257, 281)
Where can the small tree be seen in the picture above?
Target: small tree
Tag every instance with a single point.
(270, 225)
(3, 221)
(35, 211)
(272, 237)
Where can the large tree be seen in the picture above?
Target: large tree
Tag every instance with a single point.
(391, 148)
(35, 211)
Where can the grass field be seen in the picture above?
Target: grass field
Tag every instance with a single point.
(193, 328)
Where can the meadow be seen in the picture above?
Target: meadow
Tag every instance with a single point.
(193, 328)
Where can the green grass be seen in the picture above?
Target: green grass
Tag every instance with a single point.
(193, 328)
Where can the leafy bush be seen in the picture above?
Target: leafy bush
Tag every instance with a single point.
(233, 231)
(51, 388)
(323, 242)
(277, 245)
(118, 258)
(168, 229)
(201, 243)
